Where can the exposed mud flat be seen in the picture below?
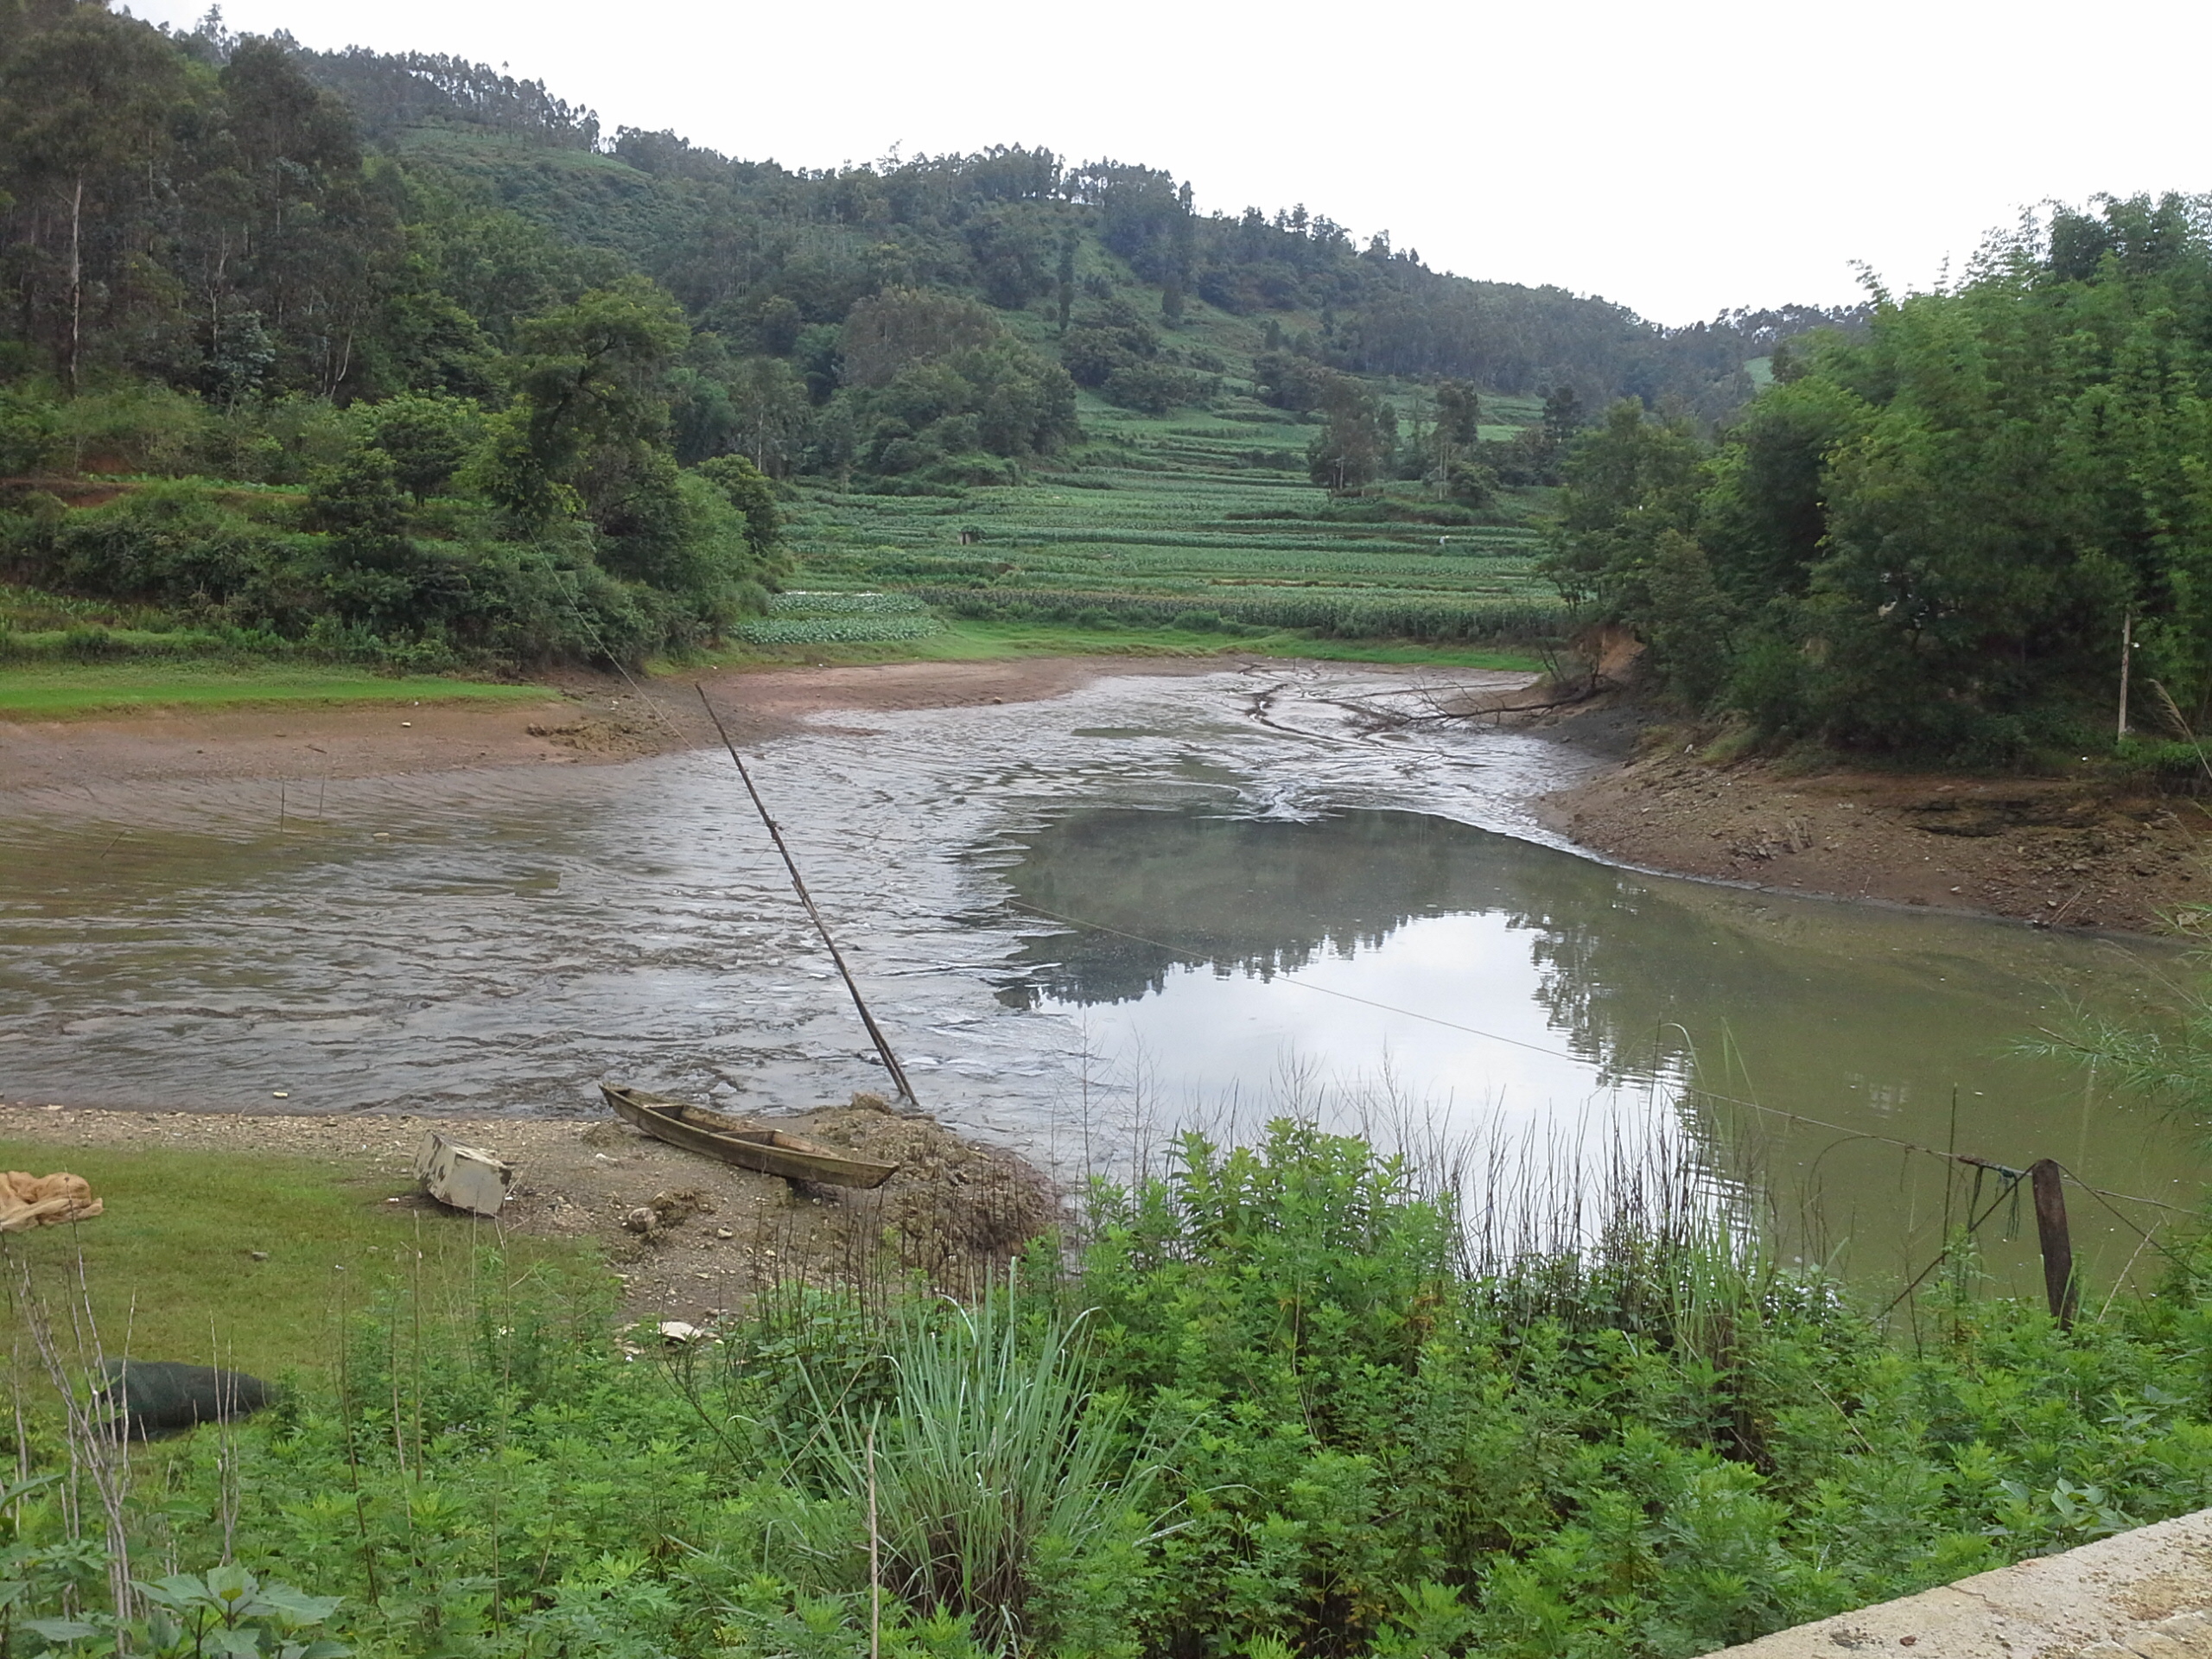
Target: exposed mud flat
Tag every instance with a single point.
(583, 718)
(2054, 852)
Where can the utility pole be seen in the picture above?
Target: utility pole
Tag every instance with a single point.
(2127, 657)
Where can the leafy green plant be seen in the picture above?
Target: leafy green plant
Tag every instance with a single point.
(223, 1613)
(228, 1613)
(1287, 1399)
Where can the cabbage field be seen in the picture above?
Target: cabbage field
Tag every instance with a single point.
(800, 618)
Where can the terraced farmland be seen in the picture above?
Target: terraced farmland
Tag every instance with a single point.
(1196, 513)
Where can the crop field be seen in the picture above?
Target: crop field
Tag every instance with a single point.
(800, 616)
(1196, 513)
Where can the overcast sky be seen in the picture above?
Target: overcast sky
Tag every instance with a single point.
(1680, 156)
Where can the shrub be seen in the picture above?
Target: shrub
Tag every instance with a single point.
(30, 434)
(1155, 388)
(173, 544)
(428, 437)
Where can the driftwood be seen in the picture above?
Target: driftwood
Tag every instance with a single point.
(1437, 706)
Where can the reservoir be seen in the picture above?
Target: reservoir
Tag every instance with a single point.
(1087, 924)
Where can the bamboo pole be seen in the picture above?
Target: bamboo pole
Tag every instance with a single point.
(798, 886)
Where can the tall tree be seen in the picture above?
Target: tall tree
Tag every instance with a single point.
(1064, 276)
(1175, 277)
(1355, 443)
(1458, 427)
(85, 108)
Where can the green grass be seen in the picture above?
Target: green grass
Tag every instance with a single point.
(52, 689)
(170, 1263)
(968, 640)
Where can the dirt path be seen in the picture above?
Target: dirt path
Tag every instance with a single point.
(2049, 851)
(689, 1238)
(583, 718)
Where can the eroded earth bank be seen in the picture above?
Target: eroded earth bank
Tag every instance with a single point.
(2056, 852)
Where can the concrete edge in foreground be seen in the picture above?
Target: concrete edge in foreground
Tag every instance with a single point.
(2145, 1594)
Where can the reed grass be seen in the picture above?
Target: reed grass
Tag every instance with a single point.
(993, 1447)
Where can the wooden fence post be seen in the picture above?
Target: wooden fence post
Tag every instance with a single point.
(2057, 1249)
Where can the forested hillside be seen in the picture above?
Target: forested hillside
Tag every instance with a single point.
(1944, 537)
(404, 357)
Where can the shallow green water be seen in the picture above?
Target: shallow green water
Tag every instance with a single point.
(1509, 988)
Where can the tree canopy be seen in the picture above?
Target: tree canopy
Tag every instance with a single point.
(1935, 537)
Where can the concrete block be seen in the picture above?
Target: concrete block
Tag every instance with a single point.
(462, 1178)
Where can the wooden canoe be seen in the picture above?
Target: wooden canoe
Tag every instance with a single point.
(748, 1146)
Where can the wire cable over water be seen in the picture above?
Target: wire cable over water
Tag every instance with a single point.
(1649, 1075)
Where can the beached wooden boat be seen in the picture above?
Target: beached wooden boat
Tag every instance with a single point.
(749, 1146)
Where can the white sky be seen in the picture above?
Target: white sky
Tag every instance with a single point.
(1675, 155)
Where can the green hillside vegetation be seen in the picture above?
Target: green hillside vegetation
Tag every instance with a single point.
(1940, 537)
(400, 361)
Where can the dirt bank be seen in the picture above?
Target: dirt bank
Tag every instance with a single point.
(2047, 850)
(953, 1211)
(583, 718)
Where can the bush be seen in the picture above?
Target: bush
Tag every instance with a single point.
(135, 430)
(426, 436)
(30, 434)
(1471, 484)
(1155, 388)
(176, 545)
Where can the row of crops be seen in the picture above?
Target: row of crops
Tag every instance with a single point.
(1191, 514)
(805, 618)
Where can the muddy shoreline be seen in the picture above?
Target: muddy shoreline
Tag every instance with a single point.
(2045, 851)
(2051, 852)
(583, 718)
(953, 1212)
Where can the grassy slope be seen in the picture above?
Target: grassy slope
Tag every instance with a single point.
(170, 1263)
